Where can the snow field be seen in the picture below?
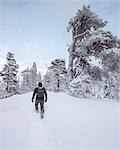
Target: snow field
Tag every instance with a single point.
(69, 124)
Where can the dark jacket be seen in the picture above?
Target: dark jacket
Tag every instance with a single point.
(44, 94)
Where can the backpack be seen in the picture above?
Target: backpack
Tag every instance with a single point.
(40, 93)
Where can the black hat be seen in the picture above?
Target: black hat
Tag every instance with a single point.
(40, 84)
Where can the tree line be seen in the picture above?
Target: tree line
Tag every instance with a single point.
(15, 82)
(94, 62)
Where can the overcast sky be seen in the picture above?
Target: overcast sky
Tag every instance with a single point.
(35, 30)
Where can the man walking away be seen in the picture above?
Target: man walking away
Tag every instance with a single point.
(41, 97)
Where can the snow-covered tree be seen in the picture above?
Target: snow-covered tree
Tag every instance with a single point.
(47, 80)
(26, 80)
(81, 25)
(9, 73)
(56, 75)
(39, 77)
(33, 76)
(86, 73)
(18, 86)
(30, 78)
(111, 86)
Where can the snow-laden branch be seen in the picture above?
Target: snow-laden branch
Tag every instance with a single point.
(75, 38)
(82, 34)
(76, 54)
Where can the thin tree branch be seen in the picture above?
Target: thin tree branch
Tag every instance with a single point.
(82, 34)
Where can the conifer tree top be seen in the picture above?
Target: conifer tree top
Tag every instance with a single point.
(84, 20)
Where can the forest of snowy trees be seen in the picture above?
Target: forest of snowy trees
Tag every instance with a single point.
(14, 82)
(93, 67)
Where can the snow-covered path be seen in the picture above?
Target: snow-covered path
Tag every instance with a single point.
(69, 124)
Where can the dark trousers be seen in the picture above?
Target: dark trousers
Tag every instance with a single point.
(41, 104)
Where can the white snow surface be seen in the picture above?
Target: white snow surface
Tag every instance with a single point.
(69, 124)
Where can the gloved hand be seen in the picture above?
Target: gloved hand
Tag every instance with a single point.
(45, 100)
(32, 100)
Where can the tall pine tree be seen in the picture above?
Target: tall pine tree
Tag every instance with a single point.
(26, 80)
(39, 77)
(9, 73)
(56, 75)
(33, 76)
